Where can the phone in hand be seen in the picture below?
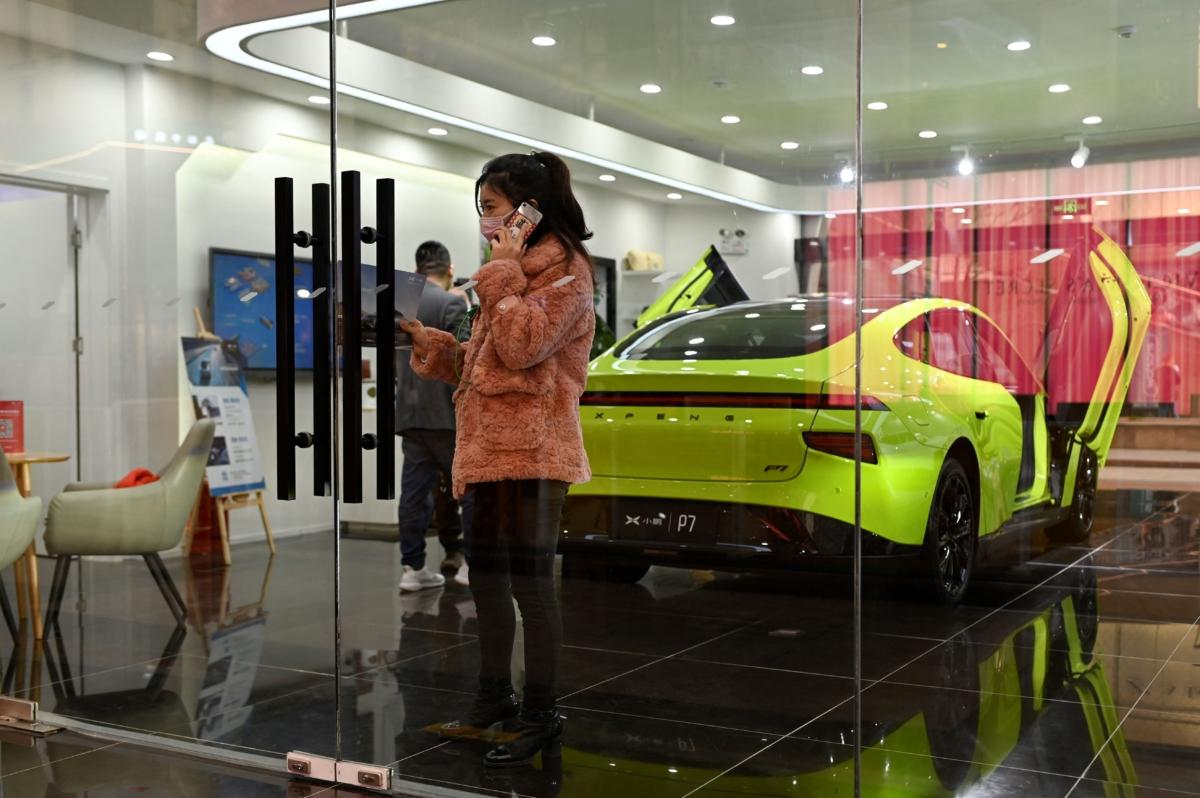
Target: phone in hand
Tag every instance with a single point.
(523, 222)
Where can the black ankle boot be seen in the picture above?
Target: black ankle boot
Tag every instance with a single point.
(536, 730)
(495, 702)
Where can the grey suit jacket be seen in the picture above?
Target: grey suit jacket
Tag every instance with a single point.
(422, 403)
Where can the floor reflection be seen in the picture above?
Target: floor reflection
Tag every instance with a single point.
(1069, 670)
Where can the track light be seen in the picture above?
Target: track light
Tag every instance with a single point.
(966, 166)
(1080, 157)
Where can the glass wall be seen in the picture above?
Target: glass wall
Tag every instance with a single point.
(878, 360)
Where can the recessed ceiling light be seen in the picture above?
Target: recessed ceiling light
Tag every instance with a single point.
(730, 119)
(812, 69)
(968, 220)
(942, 45)
(1068, 217)
(878, 105)
(789, 145)
(1059, 88)
(1019, 45)
(1092, 120)
(928, 134)
(958, 210)
(438, 131)
(722, 20)
(1184, 211)
(966, 166)
(607, 178)
(650, 88)
(846, 174)
(318, 99)
(1101, 202)
(159, 55)
(544, 41)
(675, 195)
(831, 216)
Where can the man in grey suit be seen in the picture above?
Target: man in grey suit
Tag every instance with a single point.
(425, 420)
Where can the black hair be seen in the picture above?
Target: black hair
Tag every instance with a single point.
(432, 258)
(544, 177)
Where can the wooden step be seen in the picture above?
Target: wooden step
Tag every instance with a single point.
(1158, 433)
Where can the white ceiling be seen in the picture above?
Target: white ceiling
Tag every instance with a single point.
(973, 92)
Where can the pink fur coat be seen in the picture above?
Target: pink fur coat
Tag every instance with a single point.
(523, 370)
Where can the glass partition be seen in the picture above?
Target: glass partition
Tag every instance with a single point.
(171, 596)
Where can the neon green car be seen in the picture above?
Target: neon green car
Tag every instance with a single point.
(721, 432)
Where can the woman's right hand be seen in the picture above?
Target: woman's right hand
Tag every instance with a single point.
(420, 336)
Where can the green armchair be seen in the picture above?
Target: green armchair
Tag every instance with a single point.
(18, 524)
(96, 518)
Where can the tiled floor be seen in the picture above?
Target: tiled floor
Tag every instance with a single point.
(1067, 671)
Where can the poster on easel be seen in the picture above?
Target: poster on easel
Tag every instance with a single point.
(216, 373)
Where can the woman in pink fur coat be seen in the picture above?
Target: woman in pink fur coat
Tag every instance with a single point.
(519, 443)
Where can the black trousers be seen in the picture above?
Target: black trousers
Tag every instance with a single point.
(428, 455)
(514, 537)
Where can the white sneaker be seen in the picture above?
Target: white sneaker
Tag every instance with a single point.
(460, 578)
(413, 580)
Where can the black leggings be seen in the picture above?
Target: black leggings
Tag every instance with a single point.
(514, 538)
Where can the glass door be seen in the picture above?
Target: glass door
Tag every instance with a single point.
(165, 380)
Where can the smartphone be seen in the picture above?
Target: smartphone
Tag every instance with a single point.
(523, 222)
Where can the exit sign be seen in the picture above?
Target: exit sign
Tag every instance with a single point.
(1073, 206)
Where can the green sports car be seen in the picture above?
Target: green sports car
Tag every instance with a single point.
(721, 432)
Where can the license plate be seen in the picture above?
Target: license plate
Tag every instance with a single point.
(667, 522)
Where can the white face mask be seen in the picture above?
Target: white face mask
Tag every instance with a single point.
(490, 225)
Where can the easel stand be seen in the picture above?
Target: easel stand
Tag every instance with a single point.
(234, 501)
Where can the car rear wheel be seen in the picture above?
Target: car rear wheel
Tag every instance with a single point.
(950, 534)
(575, 566)
(1078, 524)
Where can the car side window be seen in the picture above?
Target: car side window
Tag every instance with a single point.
(1000, 362)
(952, 342)
(913, 339)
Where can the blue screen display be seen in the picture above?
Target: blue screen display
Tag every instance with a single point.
(243, 306)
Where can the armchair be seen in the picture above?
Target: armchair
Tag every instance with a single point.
(99, 519)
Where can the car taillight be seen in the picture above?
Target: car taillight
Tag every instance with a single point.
(841, 444)
(780, 401)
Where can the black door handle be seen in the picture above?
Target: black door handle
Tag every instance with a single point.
(322, 302)
(351, 336)
(385, 338)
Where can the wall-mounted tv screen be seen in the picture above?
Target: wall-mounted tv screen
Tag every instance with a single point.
(243, 305)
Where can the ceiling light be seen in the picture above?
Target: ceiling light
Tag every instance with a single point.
(1092, 120)
(1068, 217)
(789, 145)
(650, 88)
(968, 221)
(812, 70)
(544, 41)
(675, 195)
(318, 99)
(942, 45)
(958, 210)
(731, 119)
(722, 20)
(817, 327)
(966, 166)
(1186, 252)
(928, 134)
(1080, 156)
(1059, 88)
(1101, 202)
(878, 105)
(1048, 255)
(1184, 211)
(303, 293)
(831, 216)
(438, 131)
(847, 174)
(905, 268)
(158, 55)
(607, 178)
(1020, 45)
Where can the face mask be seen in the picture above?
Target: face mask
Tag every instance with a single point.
(490, 225)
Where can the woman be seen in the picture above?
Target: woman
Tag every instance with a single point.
(519, 441)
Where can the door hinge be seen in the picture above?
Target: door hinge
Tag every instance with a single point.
(77, 345)
(19, 715)
(326, 769)
(77, 238)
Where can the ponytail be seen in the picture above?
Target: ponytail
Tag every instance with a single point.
(544, 177)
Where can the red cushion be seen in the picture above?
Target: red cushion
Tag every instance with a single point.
(138, 476)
